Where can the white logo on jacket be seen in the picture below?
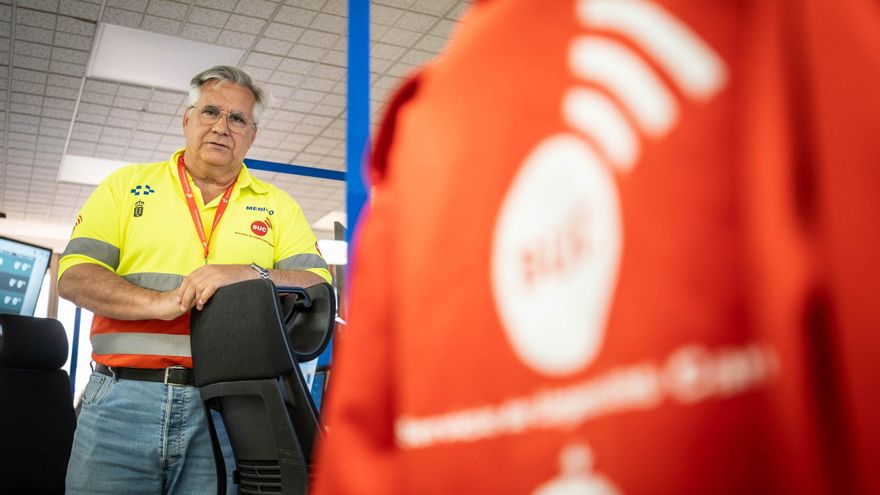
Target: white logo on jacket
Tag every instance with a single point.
(558, 237)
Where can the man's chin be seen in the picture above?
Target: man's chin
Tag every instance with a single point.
(217, 156)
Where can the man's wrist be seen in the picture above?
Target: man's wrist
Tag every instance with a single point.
(264, 273)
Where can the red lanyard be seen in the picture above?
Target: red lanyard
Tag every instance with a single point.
(194, 210)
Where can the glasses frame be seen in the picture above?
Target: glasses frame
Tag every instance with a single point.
(223, 114)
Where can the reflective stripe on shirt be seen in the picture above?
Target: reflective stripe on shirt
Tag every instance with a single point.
(153, 344)
(301, 262)
(155, 281)
(98, 250)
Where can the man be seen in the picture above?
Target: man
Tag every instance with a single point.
(152, 242)
(621, 247)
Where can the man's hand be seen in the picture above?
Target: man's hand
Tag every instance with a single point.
(198, 287)
(166, 305)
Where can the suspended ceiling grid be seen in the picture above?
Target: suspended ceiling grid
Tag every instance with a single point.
(296, 49)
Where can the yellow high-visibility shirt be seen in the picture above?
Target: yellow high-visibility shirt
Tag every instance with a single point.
(138, 225)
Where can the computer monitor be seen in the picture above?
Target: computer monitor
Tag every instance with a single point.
(22, 269)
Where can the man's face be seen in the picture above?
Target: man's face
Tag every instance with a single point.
(217, 145)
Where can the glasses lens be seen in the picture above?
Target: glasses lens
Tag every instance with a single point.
(209, 115)
(237, 121)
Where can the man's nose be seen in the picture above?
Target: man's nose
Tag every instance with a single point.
(223, 125)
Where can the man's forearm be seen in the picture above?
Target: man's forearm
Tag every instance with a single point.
(294, 278)
(102, 292)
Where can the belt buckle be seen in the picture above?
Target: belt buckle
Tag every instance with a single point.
(168, 371)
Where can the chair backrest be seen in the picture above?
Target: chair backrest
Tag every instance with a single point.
(37, 418)
(245, 364)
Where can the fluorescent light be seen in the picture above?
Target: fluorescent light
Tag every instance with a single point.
(334, 252)
(326, 222)
(86, 169)
(153, 60)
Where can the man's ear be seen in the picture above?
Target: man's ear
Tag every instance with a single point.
(185, 118)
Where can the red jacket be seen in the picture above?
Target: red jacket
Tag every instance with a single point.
(622, 247)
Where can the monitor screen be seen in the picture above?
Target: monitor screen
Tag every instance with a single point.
(22, 269)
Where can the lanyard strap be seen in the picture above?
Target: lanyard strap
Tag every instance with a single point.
(194, 210)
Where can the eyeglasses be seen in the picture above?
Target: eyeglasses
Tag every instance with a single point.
(236, 121)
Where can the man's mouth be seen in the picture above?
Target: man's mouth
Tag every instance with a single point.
(218, 144)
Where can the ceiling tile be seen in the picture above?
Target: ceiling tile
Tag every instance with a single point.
(79, 9)
(328, 110)
(431, 43)
(329, 23)
(26, 109)
(35, 34)
(337, 58)
(30, 49)
(385, 15)
(44, 5)
(385, 51)
(200, 33)
(456, 12)
(443, 28)
(208, 17)
(416, 57)
(245, 24)
(135, 5)
(67, 68)
(135, 92)
(275, 47)
(295, 16)
(318, 83)
(57, 113)
(284, 32)
(307, 4)
(160, 25)
(263, 60)
(32, 63)
(433, 7)
(75, 26)
(287, 78)
(35, 18)
(65, 81)
(404, 4)
(256, 8)
(235, 39)
(169, 97)
(121, 17)
(73, 41)
(318, 38)
(329, 72)
(338, 7)
(166, 8)
(70, 56)
(225, 5)
(258, 73)
(401, 37)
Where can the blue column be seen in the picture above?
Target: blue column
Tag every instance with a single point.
(358, 114)
(74, 348)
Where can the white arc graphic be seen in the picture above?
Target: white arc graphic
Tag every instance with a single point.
(558, 237)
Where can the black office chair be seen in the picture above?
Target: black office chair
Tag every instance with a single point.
(246, 344)
(37, 419)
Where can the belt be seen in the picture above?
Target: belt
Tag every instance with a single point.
(172, 375)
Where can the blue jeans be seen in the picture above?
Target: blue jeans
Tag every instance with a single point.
(137, 437)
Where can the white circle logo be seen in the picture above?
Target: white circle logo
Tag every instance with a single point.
(555, 255)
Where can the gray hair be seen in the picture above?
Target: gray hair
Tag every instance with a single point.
(234, 75)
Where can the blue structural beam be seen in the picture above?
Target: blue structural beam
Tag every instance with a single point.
(321, 173)
(358, 116)
(74, 352)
